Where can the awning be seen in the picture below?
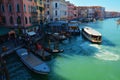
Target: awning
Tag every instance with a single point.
(57, 23)
(4, 31)
(31, 33)
(34, 26)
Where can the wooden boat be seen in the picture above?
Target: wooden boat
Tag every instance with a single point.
(92, 35)
(32, 62)
(41, 52)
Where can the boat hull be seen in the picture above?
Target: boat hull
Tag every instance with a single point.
(32, 62)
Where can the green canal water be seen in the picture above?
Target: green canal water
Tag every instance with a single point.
(81, 59)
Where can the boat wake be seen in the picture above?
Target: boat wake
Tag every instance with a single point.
(102, 52)
(96, 46)
(106, 55)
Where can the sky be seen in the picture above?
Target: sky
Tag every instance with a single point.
(110, 5)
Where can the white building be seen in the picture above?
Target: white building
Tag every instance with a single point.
(58, 10)
(47, 10)
(90, 12)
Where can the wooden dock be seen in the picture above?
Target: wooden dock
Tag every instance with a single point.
(10, 51)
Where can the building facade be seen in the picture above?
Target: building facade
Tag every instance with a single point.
(72, 11)
(22, 13)
(82, 11)
(40, 11)
(97, 12)
(55, 10)
(11, 12)
(47, 10)
(58, 10)
(111, 14)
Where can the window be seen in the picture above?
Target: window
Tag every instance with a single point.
(29, 0)
(2, 8)
(17, 8)
(47, 0)
(56, 19)
(29, 8)
(24, 8)
(11, 20)
(9, 7)
(65, 13)
(41, 9)
(47, 5)
(30, 20)
(3, 19)
(18, 20)
(56, 13)
(40, 2)
(35, 0)
(26, 20)
(48, 12)
(37, 7)
(56, 5)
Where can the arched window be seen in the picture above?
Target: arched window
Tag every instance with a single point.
(2, 8)
(17, 8)
(18, 20)
(9, 7)
(56, 5)
(26, 20)
(11, 20)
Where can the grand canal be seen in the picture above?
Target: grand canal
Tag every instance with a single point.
(81, 60)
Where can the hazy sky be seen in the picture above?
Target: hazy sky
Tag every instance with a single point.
(110, 5)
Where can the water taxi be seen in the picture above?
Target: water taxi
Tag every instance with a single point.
(32, 62)
(92, 35)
